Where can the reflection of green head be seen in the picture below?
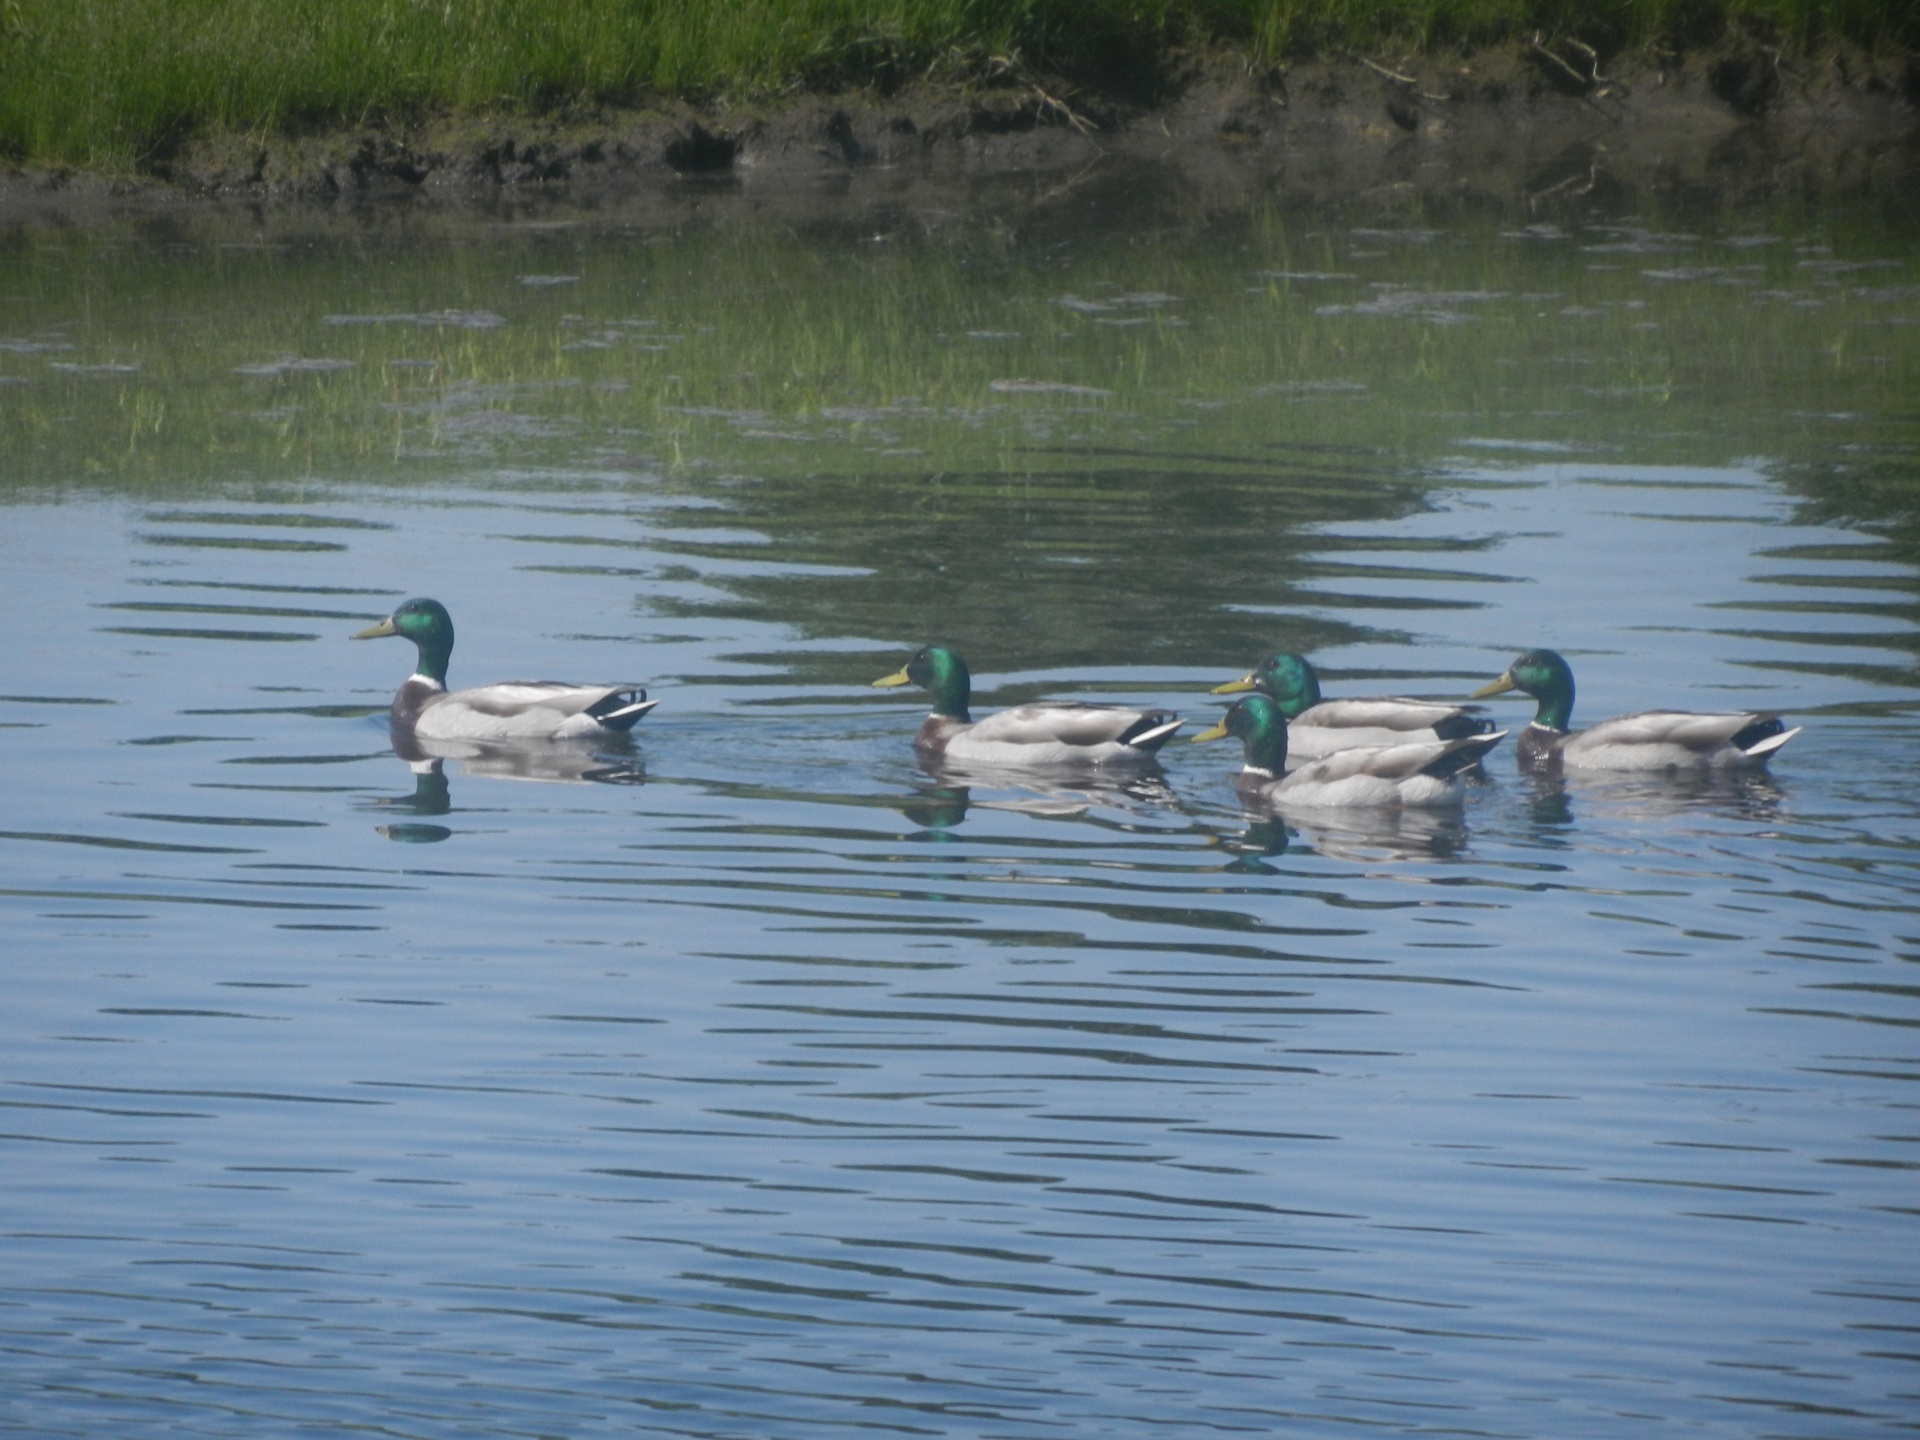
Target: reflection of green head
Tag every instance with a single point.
(1544, 675)
(936, 808)
(943, 674)
(429, 626)
(1261, 728)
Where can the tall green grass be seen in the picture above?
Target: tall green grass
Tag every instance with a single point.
(113, 83)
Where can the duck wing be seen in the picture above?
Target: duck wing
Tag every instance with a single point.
(1419, 773)
(1655, 738)
(1435, 758)
(1079, 726)
(533, 710)
(1335, 725)
(1051, 735)
(1394, 714)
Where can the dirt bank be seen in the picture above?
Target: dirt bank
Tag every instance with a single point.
(1520, 128)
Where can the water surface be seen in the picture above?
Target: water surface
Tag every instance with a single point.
(745, 1079)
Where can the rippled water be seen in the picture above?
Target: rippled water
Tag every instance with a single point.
(746, 1080)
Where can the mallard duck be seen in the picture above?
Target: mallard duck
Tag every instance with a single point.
(1650, 740)
(1058, 733)
(511, 710)
(1425, 772)
(1317, 728)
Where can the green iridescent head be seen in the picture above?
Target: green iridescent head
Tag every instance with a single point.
(429, 626)
(942, 673)
(1290, 679)
(1260, 726)
(1544, 675)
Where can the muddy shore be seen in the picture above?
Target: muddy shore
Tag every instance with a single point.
(1532, 128)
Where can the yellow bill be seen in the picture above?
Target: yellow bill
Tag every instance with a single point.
(1218, 732)
(893, 681)
(1495, 687)
(374, 632)
(1234, 687)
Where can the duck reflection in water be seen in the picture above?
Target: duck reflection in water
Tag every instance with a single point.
(430, 797)
(611, 762)
(1380, 833)
(948, 793)
(1747, 795)
(1359, 835)
(1265, 837)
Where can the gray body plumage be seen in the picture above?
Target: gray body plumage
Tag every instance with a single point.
(1050, 734)
(517, 710)
(1418, 774)
(1659, 740)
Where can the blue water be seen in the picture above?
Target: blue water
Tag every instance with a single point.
(745, 1080)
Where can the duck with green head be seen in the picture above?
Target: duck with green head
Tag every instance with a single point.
(1415, 773)
(1649, 740)
(1319, 728)
(510, 710)
(1049, 734)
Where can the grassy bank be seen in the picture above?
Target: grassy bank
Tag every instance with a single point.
(111, 84)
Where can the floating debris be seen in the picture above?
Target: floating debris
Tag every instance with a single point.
(451, 319)
(1311, 387)
(906, 408)
(1436, 306)
(1135, 300)
(1643, 242)
(293, 365)
(1047, 387)
(1845, 267)
(1409, 236)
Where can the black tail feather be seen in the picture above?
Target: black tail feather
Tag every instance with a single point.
(622, 709)
(1148, 721)
(1465, 755)
(1764, 728)
(1458, 727)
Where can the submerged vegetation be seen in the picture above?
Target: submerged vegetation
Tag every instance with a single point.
(114, 83)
